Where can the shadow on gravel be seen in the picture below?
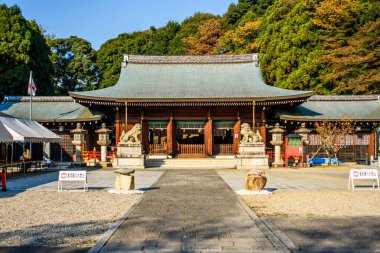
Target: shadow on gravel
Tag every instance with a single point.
(42, 250)
(332, 234)
(51, 236)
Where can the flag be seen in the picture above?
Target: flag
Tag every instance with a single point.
(31, 86)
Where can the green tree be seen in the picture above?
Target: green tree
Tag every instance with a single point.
(74, 61)
(149, 42)
(290, 46)
(244, 11)
(22, 49)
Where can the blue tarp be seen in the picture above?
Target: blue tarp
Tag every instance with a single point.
(320, 161)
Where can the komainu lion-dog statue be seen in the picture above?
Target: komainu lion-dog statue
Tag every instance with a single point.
(132, 136)
(248, 135)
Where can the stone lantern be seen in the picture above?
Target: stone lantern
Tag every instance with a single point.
(304, 132)
(277, 140)
(78, 141)
(104, 141)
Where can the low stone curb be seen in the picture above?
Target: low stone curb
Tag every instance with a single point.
(276, 239)
(281, 235)
(264, 228)
(112, 229)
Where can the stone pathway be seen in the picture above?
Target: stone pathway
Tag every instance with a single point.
(191, 211)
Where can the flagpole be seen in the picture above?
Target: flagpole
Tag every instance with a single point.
(30, 112)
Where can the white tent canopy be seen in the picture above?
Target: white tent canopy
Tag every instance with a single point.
(22, 130)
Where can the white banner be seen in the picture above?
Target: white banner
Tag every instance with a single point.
(363, 174)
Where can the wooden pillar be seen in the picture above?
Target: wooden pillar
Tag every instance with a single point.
(236, 135)
(126, 117)
(171, 136)
(253, 116)
(144, 134)
(208, 137)
(117, 126)
(263, 129)
(371, 149)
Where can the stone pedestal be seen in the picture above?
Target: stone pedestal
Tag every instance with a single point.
(252, 155)
(124, 180)
(129, 155)
(277, 157)
(78, 157)
(103, 157)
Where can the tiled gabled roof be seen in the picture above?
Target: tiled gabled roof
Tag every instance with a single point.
(190, 78)
(190, 59)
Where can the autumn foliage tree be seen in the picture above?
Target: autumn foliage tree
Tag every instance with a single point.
(206, 40)
(242, 40)
(333, 136)
(350, 32)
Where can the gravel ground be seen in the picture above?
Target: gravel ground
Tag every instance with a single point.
(316, 203)
(67, 219)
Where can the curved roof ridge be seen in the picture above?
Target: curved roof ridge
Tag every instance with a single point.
(38, 99)
(194, 59)
(344, 97)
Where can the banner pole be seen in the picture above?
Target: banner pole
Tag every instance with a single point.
(30, 112)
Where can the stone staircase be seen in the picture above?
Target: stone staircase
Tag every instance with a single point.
(192, 163)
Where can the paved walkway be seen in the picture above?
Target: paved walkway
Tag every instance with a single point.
(193, 211)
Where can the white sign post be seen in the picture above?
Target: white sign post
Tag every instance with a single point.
(363, 174)
(72, 176)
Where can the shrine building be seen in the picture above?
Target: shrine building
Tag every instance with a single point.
(190, 105)
(193, 106)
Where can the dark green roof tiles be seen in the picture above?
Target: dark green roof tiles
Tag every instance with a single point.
(156, 78)
(334, 108)
(48, 109)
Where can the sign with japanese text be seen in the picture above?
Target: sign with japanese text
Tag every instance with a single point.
(73, 176)
(363, 174)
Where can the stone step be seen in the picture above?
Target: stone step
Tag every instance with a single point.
(213, 163)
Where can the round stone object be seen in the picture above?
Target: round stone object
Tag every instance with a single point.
(125, 172)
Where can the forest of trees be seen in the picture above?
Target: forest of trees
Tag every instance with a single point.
(328, 46)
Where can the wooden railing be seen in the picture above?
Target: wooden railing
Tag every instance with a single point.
(95, 155)
(223, 148)
(157, 149)
(191, 148)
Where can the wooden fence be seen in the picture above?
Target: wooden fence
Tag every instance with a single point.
(223, 148)
(158, 149)
(191, 148)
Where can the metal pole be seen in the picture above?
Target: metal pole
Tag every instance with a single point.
(23, 158)
(61, 155)
(30, 112)
(12, 159)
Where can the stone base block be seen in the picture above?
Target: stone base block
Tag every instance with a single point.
(129, 162)
(106, 164)
(129, 149)
(252, 148)
(252, 162)
(278, 164)
(124, 183)
(78, 164)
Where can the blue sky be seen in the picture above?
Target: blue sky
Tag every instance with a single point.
(100, 20)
